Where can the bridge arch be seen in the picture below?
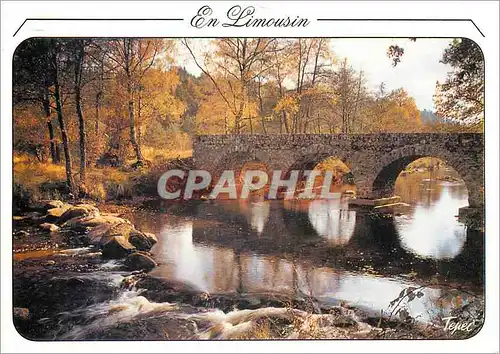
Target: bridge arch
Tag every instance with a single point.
(238, 162)
(308, 161)
(235, 161)
(312, 160)
(387, 170)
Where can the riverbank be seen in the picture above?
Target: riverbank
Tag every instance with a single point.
(35, 181)
(74, 287)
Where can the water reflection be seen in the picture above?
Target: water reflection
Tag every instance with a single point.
(266, 274)
(425, 188)
(182, 260)
(321, 248)
(432, 230)
(368, 292)
(219, 270)
(332, 220)
(258, 215)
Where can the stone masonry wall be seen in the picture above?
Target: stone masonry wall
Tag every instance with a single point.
(367, 155)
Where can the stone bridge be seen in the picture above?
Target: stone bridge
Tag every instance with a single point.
(375, 160)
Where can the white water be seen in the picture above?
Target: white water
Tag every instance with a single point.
(128, 306)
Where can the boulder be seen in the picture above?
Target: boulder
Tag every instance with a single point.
(45, 205)
(151, 237)
(50, 204)
(55, 214)
(103, 219)
(82, 223)
(102, 232)
(124, 230)
(78, 211)
(142, 241)
(49, 227)
(21, 314)
(116, 247)
(96, 233)
(31, 218)
(140, 261)
(160, 289)
(157, 283)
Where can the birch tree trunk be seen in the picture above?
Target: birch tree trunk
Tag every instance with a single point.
(131, 116)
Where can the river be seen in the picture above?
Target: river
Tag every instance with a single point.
(321, 249)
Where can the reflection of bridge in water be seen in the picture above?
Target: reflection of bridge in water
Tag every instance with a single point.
(326, 233)
(236, 254)
(219, 270)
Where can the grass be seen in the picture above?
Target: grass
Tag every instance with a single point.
(35, 180)
(157, 155)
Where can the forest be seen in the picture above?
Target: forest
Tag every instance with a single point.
(84, 103)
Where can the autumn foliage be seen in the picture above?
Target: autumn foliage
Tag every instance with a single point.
(128, 101)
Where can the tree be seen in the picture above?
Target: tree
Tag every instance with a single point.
(315, 62)
(395, 52)
(307, 62)
(188, 91)
(33, 80)
(99, 69)
(130, 97)
(461, 96)
(157, 101)
(56, 51)
(232, 69)
(77, 49)
(281, 58)
(347, 91)
(134, 57)
(394, 112)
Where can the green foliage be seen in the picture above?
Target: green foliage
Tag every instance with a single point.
(461, 96)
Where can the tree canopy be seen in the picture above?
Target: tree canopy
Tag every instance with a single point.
(119, 97)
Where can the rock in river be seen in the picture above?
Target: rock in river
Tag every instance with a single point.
(124, 230)
(54, 214)
(78, 211)
(83, 224)
(116, 247)
(151, 237)
(46, 205)
(160, 289)
(143, 241)
(95, 235)
(49, 227)
(140, 261)
(93, 221)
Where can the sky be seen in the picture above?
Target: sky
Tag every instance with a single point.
(417, 72)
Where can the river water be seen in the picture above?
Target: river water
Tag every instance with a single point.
(324, 249)
(321, 249)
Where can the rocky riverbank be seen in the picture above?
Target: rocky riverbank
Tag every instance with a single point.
(83, 225)
(80, 273)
